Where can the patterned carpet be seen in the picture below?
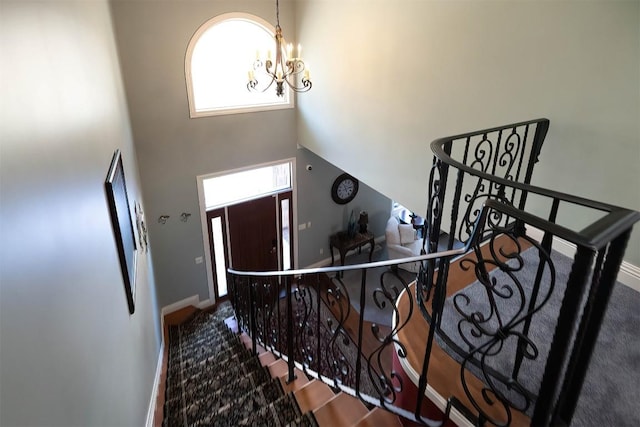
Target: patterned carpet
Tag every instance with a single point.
(212, 380)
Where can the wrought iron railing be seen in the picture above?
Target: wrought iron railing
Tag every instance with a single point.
(485, 298)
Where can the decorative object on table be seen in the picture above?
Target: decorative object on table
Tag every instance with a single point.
(363, 221)
(344, 189)
(351, 227)
(287, 68)
(142, 228)
(118, 200)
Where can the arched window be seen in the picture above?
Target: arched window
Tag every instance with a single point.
(219, 57)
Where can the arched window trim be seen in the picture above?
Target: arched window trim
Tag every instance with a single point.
(188, 75)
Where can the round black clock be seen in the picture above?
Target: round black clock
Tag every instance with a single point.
(344, 189)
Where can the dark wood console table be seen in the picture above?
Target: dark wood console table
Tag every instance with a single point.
(343, 243)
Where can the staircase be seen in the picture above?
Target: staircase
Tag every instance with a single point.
(309, 315)
(212, 378)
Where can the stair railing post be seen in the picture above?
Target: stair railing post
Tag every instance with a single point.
(363, 299)
(291, 359)
(252, 315)
(547, 400)
(587, 335)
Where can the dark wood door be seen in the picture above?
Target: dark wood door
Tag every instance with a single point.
(254, 235)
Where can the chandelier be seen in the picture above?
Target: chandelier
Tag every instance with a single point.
(286, 68)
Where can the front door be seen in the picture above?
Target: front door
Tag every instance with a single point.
(253, 231)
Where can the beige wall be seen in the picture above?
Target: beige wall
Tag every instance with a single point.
(391, 76)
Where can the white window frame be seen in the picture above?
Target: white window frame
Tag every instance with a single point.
(236, 109)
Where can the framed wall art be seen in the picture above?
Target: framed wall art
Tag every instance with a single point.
(122, 223)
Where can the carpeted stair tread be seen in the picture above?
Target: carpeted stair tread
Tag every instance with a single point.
(240, 360)
(200, 387)
(209, 363)
(215, 378)
(198, 343)
(239, 386)
(212, 379)
(243, 405)
(212, 363)
(277, 413)
(200, 409)
(190, 355)
(233, 347)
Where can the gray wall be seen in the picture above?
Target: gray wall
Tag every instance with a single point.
(391, 76)
(174, 149)
(71, 355)
(315, 205)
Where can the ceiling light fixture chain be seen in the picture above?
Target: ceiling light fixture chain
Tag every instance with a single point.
(286, 68)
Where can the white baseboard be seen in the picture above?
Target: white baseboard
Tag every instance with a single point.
(628, 275)
(204, 304)
(156, 384)
(192, 300)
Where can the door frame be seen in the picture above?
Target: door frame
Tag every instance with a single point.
(208, 257)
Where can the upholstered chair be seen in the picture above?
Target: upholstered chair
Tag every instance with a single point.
(402, 242)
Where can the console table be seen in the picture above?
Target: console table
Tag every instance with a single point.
(343, 243)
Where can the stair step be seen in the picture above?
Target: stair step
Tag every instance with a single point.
(341, 410)
(267, 358)
(230, 357)
(279, 412)
(217, 353)
(246, 340)
(379, 417)
(235, 411)
(180, 316)
(300, 381)
(280, 369)
(313, 395)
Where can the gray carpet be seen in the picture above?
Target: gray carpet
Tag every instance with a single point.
(610, 392)
(352, 280)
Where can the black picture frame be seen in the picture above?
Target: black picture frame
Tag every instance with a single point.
(118, 199)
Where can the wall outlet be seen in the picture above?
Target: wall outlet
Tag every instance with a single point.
(309, 224)
(321, 251)
(199, 260)
(302, 226)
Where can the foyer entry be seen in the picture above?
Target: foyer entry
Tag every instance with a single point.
(249, 218)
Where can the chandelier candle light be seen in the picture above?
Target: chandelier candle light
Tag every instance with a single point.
(286, 68)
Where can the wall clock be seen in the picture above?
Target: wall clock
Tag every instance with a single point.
(344, 189)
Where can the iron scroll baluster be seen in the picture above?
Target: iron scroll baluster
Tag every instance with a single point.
(487, 212)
